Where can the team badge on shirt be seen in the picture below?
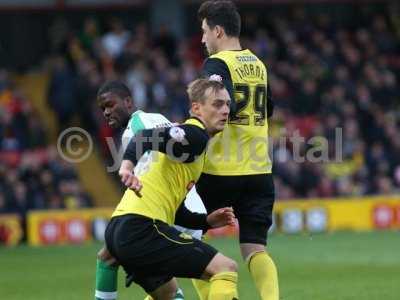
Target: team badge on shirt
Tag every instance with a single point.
(177, 133)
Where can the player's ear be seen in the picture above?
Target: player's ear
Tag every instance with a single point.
(195, 108)
(128, 102)
(219, 31)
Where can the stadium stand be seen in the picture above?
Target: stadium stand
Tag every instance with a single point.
(32, 175)
(324, 73)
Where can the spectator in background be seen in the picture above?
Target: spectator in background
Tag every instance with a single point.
(36, 136)
(62, 92)
(167, 43)
(3, 204)
(30, 170)
(115, 40)
(49, 181)
(88, 79)
(89, 35)
(58, 35)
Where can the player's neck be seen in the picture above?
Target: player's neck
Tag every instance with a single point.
(126, 120)
(210, 132)
(230, 44)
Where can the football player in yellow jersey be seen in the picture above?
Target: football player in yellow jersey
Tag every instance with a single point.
(140, 234)
(237, 170)
(117, 105)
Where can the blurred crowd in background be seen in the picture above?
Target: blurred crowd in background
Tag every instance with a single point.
(32, 174)
(323, 75)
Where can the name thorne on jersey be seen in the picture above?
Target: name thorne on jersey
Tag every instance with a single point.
(250, 70)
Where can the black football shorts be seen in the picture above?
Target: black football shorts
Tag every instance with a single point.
(251, 196)
(152, 252)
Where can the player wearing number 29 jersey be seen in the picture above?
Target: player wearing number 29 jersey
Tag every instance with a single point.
(242, 148)
(237, 170)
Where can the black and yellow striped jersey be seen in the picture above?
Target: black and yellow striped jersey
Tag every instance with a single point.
(177, 162)
(242, 147)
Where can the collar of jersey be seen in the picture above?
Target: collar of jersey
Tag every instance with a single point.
(236, 50)
(196, 122)
(137, 112)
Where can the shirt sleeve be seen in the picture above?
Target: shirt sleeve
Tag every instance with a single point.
(216, 66)
(182, 143)
(134, 125)
(192, 220)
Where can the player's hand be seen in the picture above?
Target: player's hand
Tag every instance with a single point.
(131, 181)
(221, 217)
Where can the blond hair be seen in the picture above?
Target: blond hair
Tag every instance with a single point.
(197, 89)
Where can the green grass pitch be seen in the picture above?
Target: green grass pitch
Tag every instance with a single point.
(339, 266)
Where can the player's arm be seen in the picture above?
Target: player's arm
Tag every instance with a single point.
(216, 66)
(128, 178)
(183, 143)
(192, 220)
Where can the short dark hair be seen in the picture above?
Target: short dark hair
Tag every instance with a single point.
(223, 13)
(116, 87)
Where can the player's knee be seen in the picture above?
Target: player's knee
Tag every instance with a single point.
(173, 287)
(166, 292)
(171, 293)
(167, 295)
(220, 263)
(249, 249)
(230, 266)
